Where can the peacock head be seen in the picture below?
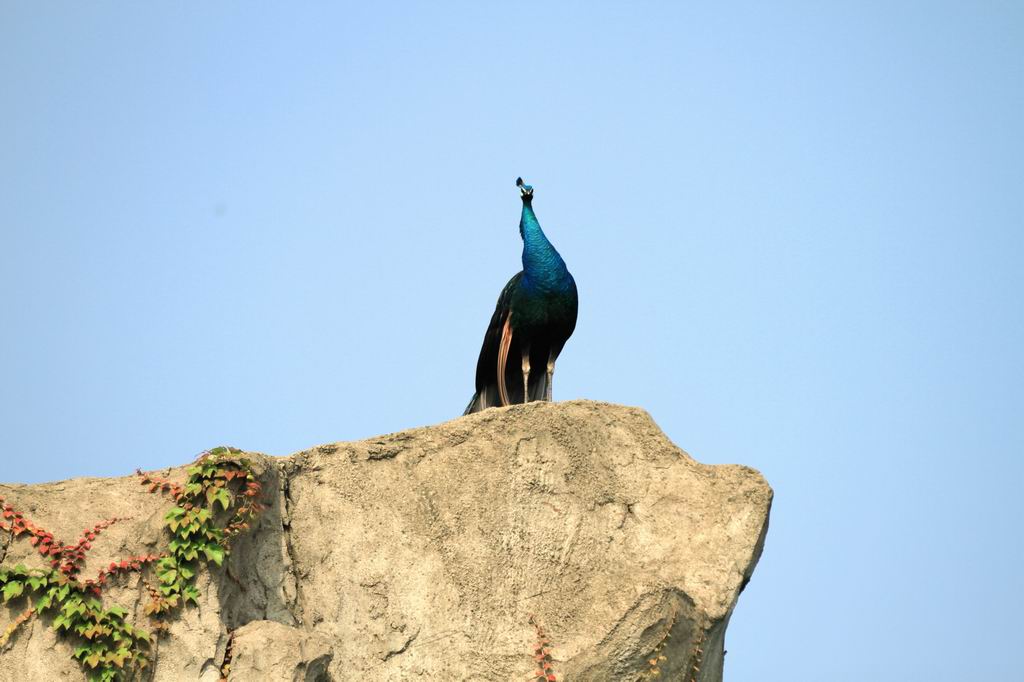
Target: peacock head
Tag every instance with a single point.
(525, 190)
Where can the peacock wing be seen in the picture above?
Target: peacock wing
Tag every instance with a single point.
(487, 393)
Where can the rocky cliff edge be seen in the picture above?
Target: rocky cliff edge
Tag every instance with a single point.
(573, 538)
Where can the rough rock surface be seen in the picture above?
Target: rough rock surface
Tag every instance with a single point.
(428, 554)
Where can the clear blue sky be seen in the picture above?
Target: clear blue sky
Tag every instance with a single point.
(798, 234)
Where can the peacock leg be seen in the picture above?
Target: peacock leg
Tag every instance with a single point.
(551, 376)
(526, 374)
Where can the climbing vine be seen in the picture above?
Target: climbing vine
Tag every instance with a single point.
(200, 532)
(658, 657)
(698, 656)
(218, 500)
(542, 655)
(104, 641)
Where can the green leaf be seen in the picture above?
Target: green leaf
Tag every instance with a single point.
(214, 553)
(13, 590)
(118, 657)
(191, 593)
(224, 497)
(117, 611)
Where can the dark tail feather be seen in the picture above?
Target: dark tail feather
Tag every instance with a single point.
(488, 397)
(481, 400)
(538, 388)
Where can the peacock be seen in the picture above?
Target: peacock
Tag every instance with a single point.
(534, 317)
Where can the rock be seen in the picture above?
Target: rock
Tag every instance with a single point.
(265, 650)
(451, 552)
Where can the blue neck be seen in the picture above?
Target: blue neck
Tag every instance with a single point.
(543, 268)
